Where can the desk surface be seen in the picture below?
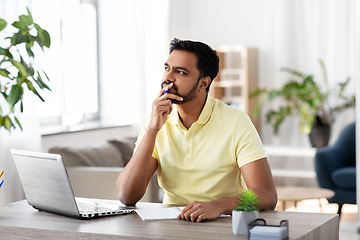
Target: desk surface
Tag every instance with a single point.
(20, 221)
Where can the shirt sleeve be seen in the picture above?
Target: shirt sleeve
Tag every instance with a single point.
(248, 144)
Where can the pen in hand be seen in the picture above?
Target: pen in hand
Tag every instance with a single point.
(166, 89)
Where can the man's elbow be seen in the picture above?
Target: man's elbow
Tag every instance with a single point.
(272, 202)
(128, 196)
(127, 200)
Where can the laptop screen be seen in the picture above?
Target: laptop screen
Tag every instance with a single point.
(45, 182)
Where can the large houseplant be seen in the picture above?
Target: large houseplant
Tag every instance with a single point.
(302, 96)
(245, 212)
(18, 69)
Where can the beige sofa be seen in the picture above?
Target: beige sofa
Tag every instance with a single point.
(93, 170)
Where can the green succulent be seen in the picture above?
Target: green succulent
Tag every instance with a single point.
(247, 201)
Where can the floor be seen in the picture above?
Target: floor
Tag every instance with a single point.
(348, 220)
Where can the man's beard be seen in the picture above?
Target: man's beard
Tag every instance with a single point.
(191, 95)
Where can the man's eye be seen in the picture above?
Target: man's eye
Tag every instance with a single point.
(166, 68)
(181, 72)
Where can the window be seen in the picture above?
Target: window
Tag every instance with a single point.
(71, 62)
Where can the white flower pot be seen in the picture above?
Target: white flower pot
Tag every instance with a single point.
(240, 221)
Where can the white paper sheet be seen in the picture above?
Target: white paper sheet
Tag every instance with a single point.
(159, 213)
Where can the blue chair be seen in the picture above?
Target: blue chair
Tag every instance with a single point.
(335, 168)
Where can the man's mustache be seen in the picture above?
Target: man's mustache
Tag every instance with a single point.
(167, 83)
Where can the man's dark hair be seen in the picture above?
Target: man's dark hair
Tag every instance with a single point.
(208, 60)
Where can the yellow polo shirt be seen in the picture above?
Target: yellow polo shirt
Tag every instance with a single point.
(203, 163)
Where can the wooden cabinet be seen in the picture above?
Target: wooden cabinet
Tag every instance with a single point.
(237, 78)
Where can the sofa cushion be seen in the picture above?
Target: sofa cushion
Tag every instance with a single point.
(126, 147)
(345, 178)
(104, 155)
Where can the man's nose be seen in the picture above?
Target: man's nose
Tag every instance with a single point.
(169, 76)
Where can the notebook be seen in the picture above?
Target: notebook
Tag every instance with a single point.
(47, 187)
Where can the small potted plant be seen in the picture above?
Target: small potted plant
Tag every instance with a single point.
(245, 212)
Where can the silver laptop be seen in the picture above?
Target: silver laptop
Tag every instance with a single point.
(47, 187)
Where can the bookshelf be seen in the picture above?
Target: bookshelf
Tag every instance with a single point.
(237, 78)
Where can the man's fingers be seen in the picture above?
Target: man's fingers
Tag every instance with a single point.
(194, 215)
(162, 91)
(201, 217)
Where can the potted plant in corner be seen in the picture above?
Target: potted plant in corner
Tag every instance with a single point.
(245, 212)
(18, 69)
(302, 96)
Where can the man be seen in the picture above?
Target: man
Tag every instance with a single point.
(205, 151)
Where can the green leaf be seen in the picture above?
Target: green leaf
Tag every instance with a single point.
(25, 20)
(39, 41)
(40, 82)
(15, 94)
(29, 15)
(45, 76)
(19, 25)
(32, 88)
(21, 68)
(6, 52)
(46, 37)
(18, 38)
(29, 42)
(30, 53)
(43, 37)
(7, 123)
(4, 72)
(29, 69)
(3, 24)
(4, 95)
(247, 201)
(18, 123)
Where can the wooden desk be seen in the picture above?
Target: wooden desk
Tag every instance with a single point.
(20, 221)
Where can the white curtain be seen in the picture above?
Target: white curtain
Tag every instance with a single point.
(29, 138)
(133, 48)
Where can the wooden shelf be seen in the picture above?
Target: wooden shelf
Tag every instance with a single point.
(237, 78)
(228, 83)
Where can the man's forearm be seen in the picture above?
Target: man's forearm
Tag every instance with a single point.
(134, 178)
(200, 211)
(267, 198)
(266, 201)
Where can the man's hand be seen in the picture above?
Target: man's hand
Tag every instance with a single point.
(200, 211)
(162, 107)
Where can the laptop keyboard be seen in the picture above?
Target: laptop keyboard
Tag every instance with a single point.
(89, 210)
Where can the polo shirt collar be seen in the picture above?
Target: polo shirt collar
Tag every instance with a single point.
(204, 116)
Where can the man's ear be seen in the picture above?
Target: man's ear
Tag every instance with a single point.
(204, 82)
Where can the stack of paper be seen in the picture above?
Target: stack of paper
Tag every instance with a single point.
(268, 233)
